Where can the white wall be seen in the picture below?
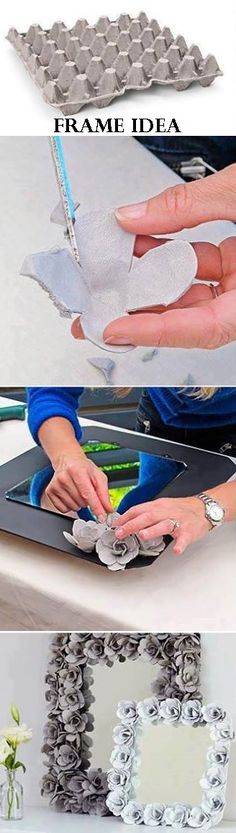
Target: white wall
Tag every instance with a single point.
(23, 660)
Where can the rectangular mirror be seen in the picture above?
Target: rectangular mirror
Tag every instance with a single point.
(121, 465)
(172, 759)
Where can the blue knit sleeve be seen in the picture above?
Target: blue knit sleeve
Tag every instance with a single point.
(44, 403)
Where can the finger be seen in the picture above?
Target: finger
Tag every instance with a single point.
(60, 503)
(144, 522)
(65, 481)
(160, 528)
(208, 327)
(102, 492)
(183, 206)
(183, 539)
(76, 329)
(131, 513)
(92, 500)
(208, 255)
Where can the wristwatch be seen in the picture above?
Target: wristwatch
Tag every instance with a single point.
(214, 512)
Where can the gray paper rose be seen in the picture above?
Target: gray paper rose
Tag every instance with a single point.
(191, 712)
(116, 554)
(153, 814)
(127, 711)
(133, 813)
(84, 534)
(177, 816)
(170, 709)
(90, 536)
(116, 801)
(148, 709)
(198, 817)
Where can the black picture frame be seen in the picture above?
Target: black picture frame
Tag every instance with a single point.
(203, 470)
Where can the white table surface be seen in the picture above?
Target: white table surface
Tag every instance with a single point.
(43, 589)
(43, 820)
(35, 341)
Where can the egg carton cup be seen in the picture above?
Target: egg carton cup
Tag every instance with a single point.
(94, 64)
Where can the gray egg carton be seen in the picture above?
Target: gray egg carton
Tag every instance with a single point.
(95, 64)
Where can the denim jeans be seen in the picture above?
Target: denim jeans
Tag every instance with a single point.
(217, 151)
(148, 421)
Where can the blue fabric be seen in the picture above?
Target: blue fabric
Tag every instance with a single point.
(176, 407)
(179, 408)
(44, 403)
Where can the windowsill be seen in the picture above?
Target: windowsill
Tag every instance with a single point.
(44, 820)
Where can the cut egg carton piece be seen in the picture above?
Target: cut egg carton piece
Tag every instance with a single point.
(95, 64)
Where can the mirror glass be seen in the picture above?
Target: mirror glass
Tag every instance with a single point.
(129, 680)
(123, 466)
(173, 759)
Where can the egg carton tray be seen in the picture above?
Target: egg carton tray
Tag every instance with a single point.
(96, 64)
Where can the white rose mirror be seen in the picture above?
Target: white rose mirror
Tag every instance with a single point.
(170, 763)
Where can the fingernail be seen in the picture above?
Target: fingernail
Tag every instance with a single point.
(131, 211)
(117, 340)
(119, 532)
(101, 518)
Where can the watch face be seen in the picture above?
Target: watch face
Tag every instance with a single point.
(215, 512)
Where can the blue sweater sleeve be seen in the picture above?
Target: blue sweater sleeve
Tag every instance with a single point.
(44, 403)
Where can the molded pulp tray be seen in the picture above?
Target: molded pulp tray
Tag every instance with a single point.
(95, 64)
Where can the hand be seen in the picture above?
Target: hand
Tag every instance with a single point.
(198, 319)
(78, 482)
(156, 518)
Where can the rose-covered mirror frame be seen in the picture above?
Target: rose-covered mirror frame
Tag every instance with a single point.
(70, 783)
(125, 760)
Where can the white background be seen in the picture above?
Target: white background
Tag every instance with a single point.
(23, 664)
(198, 110)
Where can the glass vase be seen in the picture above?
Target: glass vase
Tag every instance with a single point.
(11, 798)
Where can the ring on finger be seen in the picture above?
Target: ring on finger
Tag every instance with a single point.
(176, 524)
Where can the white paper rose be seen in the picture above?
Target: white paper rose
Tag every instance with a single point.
(218, 754)
(191, 712)
(170, 710)
(85, 534)
(133, 813)
(213, 804)
(222, 731)
(176, 816)
(153, 814)
(118, 778)
(114, 553)
(212, 713)
(123, 735)
(127, 711)
(116, 801)
(148, 709)
(213, 778)
(198, 817)
(121, 758)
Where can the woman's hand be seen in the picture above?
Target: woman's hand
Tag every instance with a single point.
(204, 317)
(157, 517)
(78, 482)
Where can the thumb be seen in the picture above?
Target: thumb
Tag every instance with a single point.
(183, 206)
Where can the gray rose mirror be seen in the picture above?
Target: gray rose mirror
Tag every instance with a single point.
(86, 670)
(169, 763)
